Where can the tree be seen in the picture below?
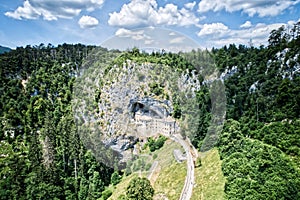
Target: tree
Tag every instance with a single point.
(139, 189)
(83, 191)
(156, 144)
(96, 186)
(277, 37)
(115, 178)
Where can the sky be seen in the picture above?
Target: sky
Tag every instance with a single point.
(175, 25)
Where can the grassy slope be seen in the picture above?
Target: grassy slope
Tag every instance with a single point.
(170, 175)
(171, 180)
(209, 178)
(121, 187)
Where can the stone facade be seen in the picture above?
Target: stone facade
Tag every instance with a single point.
(151, 125)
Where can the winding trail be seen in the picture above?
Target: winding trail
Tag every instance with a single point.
(187, 190)
(152, 169)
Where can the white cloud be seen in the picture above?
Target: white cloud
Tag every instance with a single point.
(27, 12)
(122, 32)
(190, 5)
(218, 34)
(291, 23)
(177, 40)
(52, 10)
(133, 34)
(172, 34)
(88, 22)
(213, 30)
(148, 42)
(147, 13)
(150, 39)
(247, 24)
(262, 8)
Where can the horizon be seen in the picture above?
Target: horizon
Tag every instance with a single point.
(207, 23)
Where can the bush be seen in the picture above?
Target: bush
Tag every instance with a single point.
(115, 178)
(106, 194)
(154, 156)
(148, 166)
(198, 163)
(122, 197)
(156, 144)
(140, 189)
(156, 89)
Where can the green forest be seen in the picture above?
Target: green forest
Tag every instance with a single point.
(260, 141)
(43, 157)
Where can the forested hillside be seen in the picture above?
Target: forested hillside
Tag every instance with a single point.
(4, 49)
(260, 142)
(42, 155)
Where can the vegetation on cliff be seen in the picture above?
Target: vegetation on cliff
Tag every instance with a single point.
(42, 153)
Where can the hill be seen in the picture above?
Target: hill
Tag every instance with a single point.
(259, 144)
(4, 49)
(66, 111)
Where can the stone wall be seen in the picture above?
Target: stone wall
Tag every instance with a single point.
(150, 125)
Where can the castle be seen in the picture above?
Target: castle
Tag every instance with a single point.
(152, 125)
(152, 117)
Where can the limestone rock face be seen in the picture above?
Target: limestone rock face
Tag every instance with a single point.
(150, 107)
(122, 145)
(150, 117)
(133, 102)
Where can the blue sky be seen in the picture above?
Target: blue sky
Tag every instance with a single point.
(206, 23)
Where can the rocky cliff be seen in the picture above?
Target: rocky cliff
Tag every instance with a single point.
(110, 97)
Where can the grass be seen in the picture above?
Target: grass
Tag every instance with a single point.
(171, 180)
(209, 177)
(121, 187)
(170, 175)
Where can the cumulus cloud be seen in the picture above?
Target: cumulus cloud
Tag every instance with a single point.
(261, 8)
(27, 12)
(172, 34)
(218, 34)
(149, 39)
(122, 32)
(148, 42)
(247, 24)
(177, 40)
(147, 13)
(133, 34)
(190, 5)
(88, 22)
(52, 10)
(213, 30)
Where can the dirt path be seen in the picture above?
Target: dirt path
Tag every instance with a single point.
(187, 190)
(154, 172)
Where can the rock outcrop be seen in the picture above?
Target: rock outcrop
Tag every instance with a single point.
(127, 110)
(150, 107)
